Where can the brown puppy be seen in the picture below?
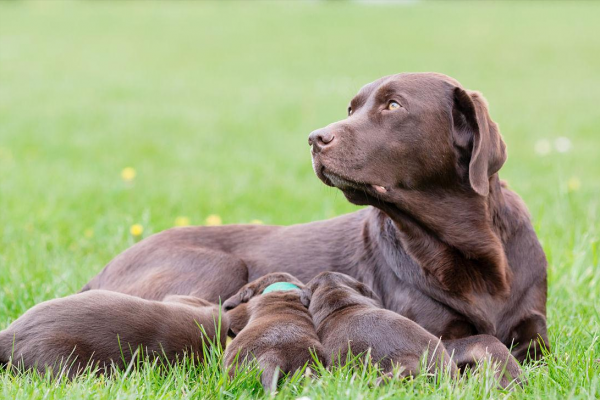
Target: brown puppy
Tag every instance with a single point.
(100, 328)
(349, 318)
(236, 307)
(280, 333)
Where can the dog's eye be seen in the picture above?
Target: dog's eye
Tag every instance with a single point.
(349, 111)
(393, 105)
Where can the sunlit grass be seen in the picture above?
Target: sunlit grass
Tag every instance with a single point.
(114, 115)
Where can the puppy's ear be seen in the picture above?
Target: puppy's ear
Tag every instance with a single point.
(474, 129)
(305, 297)
(246, 295)
(243, 296)
(367, 291)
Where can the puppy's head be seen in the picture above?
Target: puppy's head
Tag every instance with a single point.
(333, 288)
(236, 307)
(256, 287)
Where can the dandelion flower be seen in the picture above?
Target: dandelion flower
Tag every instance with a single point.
(88, 233)
(213, 220)
(128, 174)
(182, 221)
(542, 147)
(562, 144)
(256, 222)
(574, 184)
(136, 230)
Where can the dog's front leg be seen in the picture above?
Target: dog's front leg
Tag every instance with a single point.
(472, 350)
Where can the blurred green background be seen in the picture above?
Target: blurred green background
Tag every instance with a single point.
(211, 105)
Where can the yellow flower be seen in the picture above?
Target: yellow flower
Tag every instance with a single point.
(136, 230)
(574, 184)
(88, 233)
(128, 174)
(213, 220)
(256, 222)
(182, 221)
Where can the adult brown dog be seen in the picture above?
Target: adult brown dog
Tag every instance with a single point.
(279, 334)
(101, 328)
(445, 243)
(349, 318)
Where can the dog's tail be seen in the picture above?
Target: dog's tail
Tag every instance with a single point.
(270, 376)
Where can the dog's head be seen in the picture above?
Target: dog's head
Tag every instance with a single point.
(414, 131)
(256, 288)
(330, 290)
(236, 307)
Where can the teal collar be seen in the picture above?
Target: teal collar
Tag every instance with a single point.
(280, 287)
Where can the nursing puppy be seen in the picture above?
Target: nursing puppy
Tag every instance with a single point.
(279, 333)
(348, 316)
(236, 307)
(101, 328)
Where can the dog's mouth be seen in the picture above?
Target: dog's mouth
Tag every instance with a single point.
(344, 184)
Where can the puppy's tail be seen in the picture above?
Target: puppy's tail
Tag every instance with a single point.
(270, 375)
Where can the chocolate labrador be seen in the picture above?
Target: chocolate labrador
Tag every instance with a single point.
(280, 334)
(444, 242)
(349, 318)
(101, 328)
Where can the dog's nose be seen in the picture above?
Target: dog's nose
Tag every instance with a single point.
(320, 139)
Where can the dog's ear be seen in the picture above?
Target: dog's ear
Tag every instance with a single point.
(246, 295)
(243, 296)
(367, 291)
(474, 129)
(305, 297)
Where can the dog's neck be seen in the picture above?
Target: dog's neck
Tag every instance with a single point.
(456, 237)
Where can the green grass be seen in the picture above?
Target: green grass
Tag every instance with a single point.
(212, 104)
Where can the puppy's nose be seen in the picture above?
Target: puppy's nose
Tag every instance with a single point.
(320, 139)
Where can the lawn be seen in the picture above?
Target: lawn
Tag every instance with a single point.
(211, 105)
